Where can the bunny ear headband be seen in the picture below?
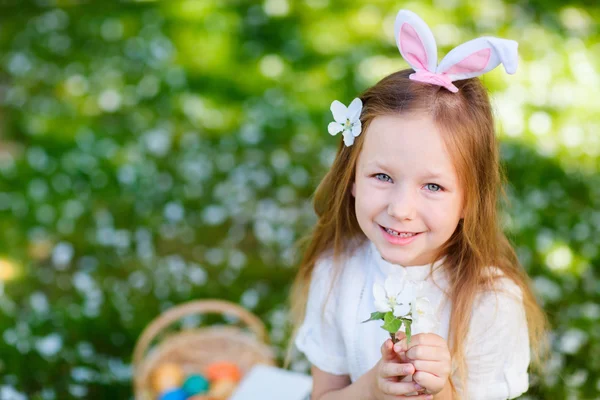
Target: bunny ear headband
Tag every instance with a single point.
(417, 46)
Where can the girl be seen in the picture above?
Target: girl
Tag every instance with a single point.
(414, 198)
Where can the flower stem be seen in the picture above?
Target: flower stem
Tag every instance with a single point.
(394, 338)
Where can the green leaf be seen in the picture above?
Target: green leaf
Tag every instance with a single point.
(391, 323)
(407, 324)
(375, 316)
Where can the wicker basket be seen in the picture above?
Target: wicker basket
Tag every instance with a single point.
(194, 349)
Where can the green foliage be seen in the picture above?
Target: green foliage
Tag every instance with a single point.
(391, 323)
(376, 315)
(407, 329)
(157, 152)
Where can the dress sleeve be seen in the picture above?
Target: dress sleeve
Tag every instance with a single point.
(319, 335)
(497, 346)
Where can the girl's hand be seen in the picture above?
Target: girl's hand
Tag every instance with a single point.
(388, 371)
(430, 357)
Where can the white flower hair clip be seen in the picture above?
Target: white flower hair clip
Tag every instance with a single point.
(473, 58)
(347, 120)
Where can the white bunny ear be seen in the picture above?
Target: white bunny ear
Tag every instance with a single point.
(479, 56)
(415, 41)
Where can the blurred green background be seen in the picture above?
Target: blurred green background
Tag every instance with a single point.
(157, 152)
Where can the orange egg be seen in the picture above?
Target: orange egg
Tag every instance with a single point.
(223, 371)
(222, 389)
(167, 376)
(201, 397)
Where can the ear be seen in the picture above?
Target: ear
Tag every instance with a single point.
(353, 190)
(479, 56)
(415, 41)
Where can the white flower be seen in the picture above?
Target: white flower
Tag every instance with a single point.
(347, 120)
(423, 316)
(396, 295)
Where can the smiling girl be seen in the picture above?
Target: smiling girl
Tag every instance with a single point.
(412, 195)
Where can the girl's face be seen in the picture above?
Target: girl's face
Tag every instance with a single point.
(405, 181)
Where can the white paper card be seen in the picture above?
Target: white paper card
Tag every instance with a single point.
(263, 382)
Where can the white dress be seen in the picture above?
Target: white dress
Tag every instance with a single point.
(335, 341)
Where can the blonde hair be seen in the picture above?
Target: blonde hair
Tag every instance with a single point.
(466, 120)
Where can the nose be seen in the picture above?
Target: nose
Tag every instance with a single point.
(402, 203)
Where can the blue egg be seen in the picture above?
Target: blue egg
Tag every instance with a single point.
(195, 384)
(175, 394)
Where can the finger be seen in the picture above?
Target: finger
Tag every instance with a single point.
(393, 370)
(413, 397)
(397, 388)
(429, 381)
(428, 339)
(403, 358)
(437, 368)
(387, 351)
(401, 355)
(428, 353)
(400, 335)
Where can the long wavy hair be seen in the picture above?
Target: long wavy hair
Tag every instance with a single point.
(466, 122)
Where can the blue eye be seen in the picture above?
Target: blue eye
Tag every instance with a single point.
(433, 187)
(383, 175)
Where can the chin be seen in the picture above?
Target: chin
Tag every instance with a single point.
(405, 262)
(402, 260)
(403, 257)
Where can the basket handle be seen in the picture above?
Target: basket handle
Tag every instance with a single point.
(191, 308)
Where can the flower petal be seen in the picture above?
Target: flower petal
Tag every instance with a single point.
(382, 307)
(354, 110)
(394, 283)
(356, 128)
(381, 303)
(408, 293)
(421, 308)
(334, 128)
(348, 138)
(339, 111)
(379, 293)
(400, 310)
(424, 306)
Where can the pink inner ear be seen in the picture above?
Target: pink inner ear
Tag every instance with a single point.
(412, 46)
(474, 63)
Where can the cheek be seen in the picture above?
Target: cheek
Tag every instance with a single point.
(441, 214)
(368, 199)
(433, 213)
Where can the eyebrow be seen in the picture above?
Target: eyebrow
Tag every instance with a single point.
(434, 175)
(429, 174)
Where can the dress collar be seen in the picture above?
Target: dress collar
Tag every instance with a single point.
(414, 273)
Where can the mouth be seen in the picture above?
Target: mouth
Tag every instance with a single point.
(400, 234)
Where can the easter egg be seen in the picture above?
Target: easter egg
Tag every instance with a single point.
(177, 394)
(222, 389)
(223, 371)
(166, 377)
(195, 384)
(201, 397)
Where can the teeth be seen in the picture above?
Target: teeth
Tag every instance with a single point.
(399, 234)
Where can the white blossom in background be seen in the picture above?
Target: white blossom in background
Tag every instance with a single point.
(50, 345)
(10, 393)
